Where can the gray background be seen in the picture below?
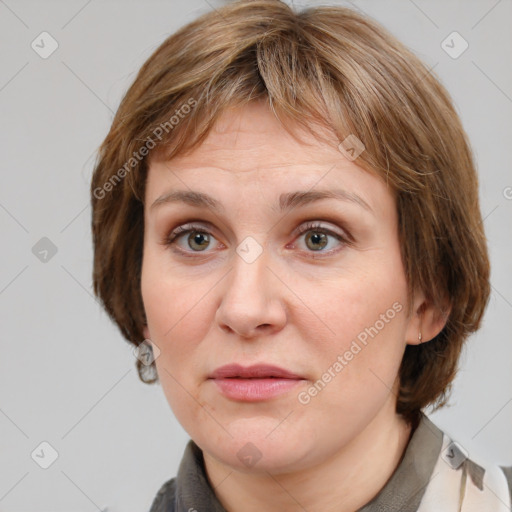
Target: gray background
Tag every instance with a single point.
(66, 375)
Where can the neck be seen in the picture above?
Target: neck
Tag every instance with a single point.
(344, 482)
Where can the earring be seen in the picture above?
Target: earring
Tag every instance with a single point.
(146, 353)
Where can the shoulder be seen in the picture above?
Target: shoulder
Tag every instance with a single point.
(464, 483)
(508, 475)
(164, 499)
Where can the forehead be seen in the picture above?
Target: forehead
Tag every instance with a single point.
(254, 130)
(249, 150)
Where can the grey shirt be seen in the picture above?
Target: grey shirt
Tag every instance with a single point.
(190, 489)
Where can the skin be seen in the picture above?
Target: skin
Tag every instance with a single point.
(294, 306)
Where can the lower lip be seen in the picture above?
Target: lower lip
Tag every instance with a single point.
(251, 390)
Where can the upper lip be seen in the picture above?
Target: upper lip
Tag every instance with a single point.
(254, 371)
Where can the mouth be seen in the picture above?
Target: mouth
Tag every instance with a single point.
(256, 371)
(254, 383)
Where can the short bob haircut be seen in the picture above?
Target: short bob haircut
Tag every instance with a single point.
(323, 66)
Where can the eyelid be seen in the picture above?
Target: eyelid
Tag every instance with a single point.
(299, 230)
(203, 227)
(316, 224)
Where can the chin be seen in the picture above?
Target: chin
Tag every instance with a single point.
(253, 450)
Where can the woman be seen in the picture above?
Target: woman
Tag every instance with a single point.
(286, 226)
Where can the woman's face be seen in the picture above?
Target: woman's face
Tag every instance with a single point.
(271, 274)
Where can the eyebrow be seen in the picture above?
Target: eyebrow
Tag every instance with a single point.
(287, 201)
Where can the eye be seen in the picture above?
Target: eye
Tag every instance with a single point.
(317, 237)
(199, 238)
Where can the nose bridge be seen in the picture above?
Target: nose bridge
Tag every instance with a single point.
(251, 297)
(249, 279)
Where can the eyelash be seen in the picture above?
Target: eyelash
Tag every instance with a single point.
(172, 238)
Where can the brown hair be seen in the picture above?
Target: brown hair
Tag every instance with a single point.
(322, 66)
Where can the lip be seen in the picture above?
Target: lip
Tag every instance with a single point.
(256, 371)
(254, 383)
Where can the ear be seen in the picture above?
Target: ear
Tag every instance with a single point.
(427, 320)
(146, 333)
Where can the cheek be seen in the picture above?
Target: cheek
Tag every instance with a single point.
(345, 308)
(177, 316)
(363, 322)
(177, 321)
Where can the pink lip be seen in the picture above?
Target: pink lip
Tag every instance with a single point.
(254, 383)
(256, 371)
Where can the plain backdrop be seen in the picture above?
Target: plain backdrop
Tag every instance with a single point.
(67, 377)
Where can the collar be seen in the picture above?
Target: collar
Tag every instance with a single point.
(406, 486)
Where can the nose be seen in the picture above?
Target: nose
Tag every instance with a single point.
(252, 301)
